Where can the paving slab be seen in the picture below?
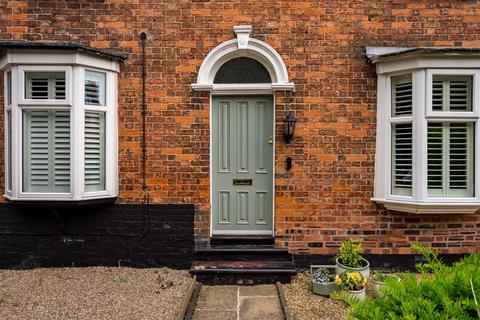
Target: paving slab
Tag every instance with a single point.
(259, 290)
(218, 298)
(214, 315)
(260, 308)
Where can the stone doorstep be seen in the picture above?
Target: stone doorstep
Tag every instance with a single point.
(258, 302)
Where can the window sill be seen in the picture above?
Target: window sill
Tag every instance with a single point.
(430, 208)
(56, 203)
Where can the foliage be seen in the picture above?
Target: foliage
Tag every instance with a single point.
(342, 295)
(441, 292)
(323, 276)
(349, 253)
(351, 281)
(382, 277)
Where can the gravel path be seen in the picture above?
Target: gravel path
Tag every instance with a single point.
(303, 304)
(92, 293)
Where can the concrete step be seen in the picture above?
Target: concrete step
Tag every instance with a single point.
(243, 253)
(243, 272)
(242, 240)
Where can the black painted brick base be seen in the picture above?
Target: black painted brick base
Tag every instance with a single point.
(111, 235)
(394, 262)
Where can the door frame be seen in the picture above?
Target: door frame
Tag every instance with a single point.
(243, 93)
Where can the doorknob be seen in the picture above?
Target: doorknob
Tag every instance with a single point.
(270, 140)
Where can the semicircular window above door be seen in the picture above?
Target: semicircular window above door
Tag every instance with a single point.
(242, 70)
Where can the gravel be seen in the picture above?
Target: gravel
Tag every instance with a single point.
(303, 304)
(92, 293)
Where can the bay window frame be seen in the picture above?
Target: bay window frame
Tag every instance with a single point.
(422, 114)
(74, 103)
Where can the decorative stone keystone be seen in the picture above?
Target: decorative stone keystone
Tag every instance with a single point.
(243, 35)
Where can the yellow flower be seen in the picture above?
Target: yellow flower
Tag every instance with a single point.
(338, 280)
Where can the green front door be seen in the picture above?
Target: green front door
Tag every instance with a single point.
(242, 160)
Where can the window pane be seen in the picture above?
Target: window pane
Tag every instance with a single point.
(242, 70)
(452, 93)
(46, 151)
(9, 150)
(402, 95)
(94, 88)
(45, 85)
(9, 88)
(94, 151)
(450, 160)
(402, 159)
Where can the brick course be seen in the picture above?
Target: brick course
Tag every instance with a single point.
(325, 198)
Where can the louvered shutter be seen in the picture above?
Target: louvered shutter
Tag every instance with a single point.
(46, 151)
(402, 95)
(94, 151)
(435, 159)
(9, 88)
(452, 93)
(460, 156)
(61, 151)
(402, 159)
(45, 85)
(36, 151)
(450, 160)
(9, 149)
(94, 88)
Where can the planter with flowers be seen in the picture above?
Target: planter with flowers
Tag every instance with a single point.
(349, 259)
(353, 284)
(323, 279)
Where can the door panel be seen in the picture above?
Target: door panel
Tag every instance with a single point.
(242, 159)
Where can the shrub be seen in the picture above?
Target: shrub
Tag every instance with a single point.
(442, 292)
(349, 253)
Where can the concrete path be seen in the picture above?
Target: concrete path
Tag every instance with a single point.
(259, 302)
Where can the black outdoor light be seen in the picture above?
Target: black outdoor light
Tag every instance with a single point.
(289, 127)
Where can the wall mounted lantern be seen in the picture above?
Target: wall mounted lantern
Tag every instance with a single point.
(289, 127)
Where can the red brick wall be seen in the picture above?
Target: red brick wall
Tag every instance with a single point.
(324, 199)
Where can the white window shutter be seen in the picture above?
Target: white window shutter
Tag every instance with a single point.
(402, 159)
(452, 93)
(94, 151)
(95, 88)
(61, 151)
(402, 95)
(461, 159)
(450, 160)
(435, 159)
(46, 151)
(36, 151)
(45, 85)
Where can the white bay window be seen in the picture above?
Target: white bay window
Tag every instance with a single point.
(428, 130)
(60, 126)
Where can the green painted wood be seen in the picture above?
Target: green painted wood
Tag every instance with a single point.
(242, 152)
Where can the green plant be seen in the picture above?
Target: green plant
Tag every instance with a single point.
(123, 279)
(441, 292)
(349, 253)
(2, 300)
(323, 275)
(382, 277)
(351, 281)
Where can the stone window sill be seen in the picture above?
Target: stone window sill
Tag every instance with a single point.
(430, 207)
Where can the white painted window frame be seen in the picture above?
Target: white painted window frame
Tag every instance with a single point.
(422, 114)
(74, 102)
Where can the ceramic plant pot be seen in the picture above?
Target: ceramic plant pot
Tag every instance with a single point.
(356, 295)
(324, 289)
(364, 269)
(379, 285)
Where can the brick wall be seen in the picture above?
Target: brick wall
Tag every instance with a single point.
(325, 198)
